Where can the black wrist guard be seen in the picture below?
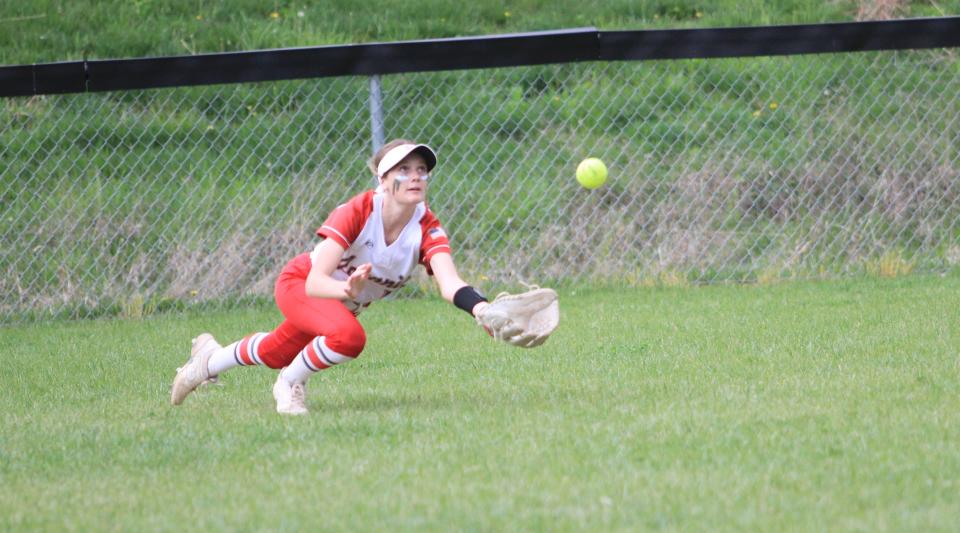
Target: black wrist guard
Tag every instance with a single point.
(466, 297)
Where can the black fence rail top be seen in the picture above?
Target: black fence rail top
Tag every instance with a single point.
(534, 48)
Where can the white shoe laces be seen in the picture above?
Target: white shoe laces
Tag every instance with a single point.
(298, 396)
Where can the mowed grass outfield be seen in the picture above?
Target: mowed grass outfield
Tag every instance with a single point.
(802, 406)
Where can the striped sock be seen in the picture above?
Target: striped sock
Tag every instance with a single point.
(315, 357)
(241, 353)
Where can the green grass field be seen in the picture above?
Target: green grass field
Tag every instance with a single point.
(802, 406)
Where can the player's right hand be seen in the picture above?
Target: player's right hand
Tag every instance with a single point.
(356, 281)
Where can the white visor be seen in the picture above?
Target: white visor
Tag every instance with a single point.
(397, 153)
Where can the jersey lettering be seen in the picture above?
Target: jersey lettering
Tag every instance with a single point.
(358, 226)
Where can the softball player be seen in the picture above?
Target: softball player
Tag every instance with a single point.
(369, 247)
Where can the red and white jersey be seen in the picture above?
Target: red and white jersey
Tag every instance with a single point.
(358, 226)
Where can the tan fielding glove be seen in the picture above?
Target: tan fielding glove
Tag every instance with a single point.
(524, 319)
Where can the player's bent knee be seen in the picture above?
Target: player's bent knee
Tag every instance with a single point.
(276, 360)
(348, 341)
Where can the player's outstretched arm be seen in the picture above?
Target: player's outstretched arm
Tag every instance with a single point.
(445, 273)
(526, 319)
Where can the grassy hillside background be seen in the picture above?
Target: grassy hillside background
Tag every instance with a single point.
(750, 170)
(57, 30)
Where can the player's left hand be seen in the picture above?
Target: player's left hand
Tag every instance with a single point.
(357, 280)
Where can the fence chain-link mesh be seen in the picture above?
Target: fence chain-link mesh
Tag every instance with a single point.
(742, 170)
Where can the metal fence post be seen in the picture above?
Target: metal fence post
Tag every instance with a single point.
(376, 113)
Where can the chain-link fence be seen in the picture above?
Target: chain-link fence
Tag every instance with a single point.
(739, 170)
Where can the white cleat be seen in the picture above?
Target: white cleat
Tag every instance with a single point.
(291, 399)
(195, 372)
(210, 382)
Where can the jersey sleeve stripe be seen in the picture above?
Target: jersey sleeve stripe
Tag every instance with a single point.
(336, 235)
(436, 249)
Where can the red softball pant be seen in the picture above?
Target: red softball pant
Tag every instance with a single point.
(306, 318)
